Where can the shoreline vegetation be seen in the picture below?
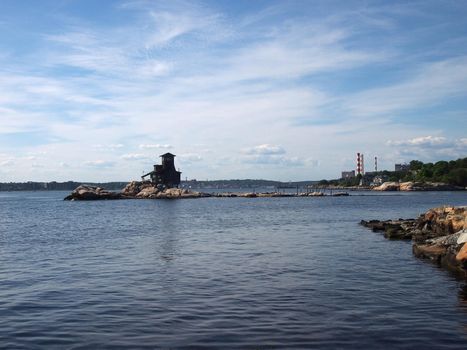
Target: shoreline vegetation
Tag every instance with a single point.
(438, 235)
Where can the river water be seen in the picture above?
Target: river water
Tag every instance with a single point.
(246, 273)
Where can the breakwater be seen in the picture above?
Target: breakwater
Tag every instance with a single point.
(146, 190)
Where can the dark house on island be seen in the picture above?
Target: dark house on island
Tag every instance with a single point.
(165, 174)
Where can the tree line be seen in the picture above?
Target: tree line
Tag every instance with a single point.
(452, 172)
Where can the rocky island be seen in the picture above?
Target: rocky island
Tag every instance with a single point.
(148, 190)
(134, 190)
(439, 235)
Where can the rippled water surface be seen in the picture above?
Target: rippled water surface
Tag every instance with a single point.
(241, 273)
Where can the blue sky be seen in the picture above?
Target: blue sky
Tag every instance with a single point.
(285, 90)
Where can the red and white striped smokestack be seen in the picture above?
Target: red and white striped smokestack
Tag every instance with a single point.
(359, 169)
(362, 164)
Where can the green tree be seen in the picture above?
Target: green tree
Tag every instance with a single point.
(457, 177)
(416, 165)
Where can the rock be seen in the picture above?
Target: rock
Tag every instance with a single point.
(432, 252)
(134, 190)
(135, 187)
(177, 193)
(274, 194)
(416, 186)
(387, 186)
(226, 194)
(393, 229)
(316, 194)
(461, 257)
(444, 220)
(85, 192)
(447, 240)
(440, 235)
(148, 192)
(462, 237)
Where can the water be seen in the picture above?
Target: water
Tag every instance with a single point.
(242, 273)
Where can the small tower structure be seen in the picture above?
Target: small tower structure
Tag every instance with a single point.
(359, 166)
(362, 164)
(165, 174)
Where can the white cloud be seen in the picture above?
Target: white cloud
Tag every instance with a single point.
(190, 157)
(7, 163)
(152, 146)
(422, 141)
(160, 76)
(430, 84)
(430, 148)
(134, 156)
(274, 160)
(99, 163)
(110, 146)
(265, 149)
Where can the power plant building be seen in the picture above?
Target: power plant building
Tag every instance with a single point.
(348, 174)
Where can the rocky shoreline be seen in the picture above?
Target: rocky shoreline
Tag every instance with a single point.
(146, 190)
(439, 235)
(417, 186)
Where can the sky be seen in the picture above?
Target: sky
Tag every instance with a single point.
(281, 90)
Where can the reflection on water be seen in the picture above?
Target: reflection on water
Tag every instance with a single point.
(462, 295)
(167, 248)
(221, 273)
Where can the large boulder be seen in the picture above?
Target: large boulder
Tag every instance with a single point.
(85, 192)
(461, 256)
(135, 187)
(387, 186)
(441, 221)
(148, 192)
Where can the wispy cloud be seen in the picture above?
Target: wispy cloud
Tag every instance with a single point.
(134, 156)
(265, 149)
(428, 85)
(99, 163)
(430, 148)
(282, 83)
(153, 146)
(274, 160)
(423, 141)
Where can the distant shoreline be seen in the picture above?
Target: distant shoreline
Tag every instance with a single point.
(221, 185)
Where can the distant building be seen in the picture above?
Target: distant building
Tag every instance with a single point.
(379, 180)
(165, 174)
(401, 167)
(348, 174)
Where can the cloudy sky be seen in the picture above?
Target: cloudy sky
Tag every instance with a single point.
(283, 90)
